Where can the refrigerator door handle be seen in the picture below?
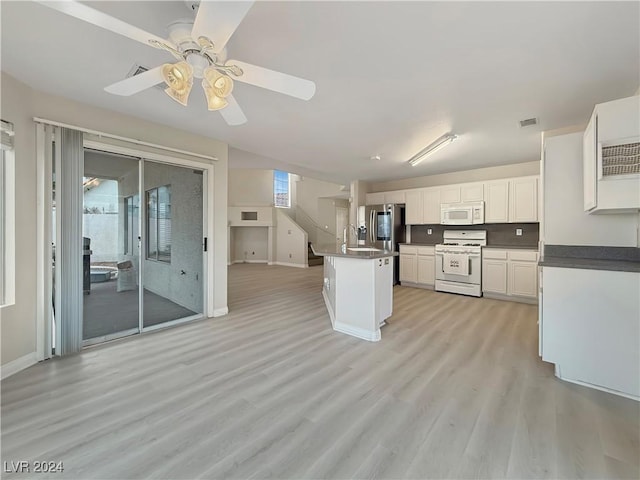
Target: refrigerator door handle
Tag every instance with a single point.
(372, 220)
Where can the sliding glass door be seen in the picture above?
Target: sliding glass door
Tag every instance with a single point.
(111, 247)
(142, 245)
(173, 251)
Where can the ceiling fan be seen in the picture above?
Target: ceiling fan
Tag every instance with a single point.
(199, 47)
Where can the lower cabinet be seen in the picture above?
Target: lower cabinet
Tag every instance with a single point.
(417, 265)
(510, 273)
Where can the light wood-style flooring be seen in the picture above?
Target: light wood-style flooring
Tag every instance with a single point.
(455, 389)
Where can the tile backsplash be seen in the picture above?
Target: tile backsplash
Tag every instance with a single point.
(498, 234)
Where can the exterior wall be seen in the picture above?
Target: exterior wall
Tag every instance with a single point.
(19, 105)
(477, 175)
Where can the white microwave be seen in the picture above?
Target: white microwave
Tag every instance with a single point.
(471, 213)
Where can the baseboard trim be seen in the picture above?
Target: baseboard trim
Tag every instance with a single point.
(248, 261)
(348, 329)
(510, 298)
(424, 286)
(220, 312)
(18, 365)
(358, 332)
(596, 387)
(297, 265)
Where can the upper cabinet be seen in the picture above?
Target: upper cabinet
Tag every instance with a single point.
(379, 198)
(611, 157)
(472, 192)
(496, 201)
(523, 200)
(512, 200)
(450, 194)
(413, 207)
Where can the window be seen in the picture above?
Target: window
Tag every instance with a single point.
(131, 225)
(159, 224)
(7, 214)
(281, 197)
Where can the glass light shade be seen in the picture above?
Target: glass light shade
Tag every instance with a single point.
(214, 102)
(180, 96)
(221, 84)
(178, 76)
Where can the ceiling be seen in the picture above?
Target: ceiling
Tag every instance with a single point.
(391, 77)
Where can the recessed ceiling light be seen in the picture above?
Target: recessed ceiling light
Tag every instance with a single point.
(375, 157)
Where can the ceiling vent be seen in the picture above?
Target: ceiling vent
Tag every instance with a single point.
(528, 122)
(137, 69)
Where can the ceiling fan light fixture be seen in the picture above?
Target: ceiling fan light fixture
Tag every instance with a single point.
(222, 85)
(214, 102)
(179, 96)
(178, 76)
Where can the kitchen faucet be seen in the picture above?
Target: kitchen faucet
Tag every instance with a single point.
(344, 232)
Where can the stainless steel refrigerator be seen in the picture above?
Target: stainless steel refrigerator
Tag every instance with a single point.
(386, 229)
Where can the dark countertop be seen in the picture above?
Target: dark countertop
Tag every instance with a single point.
(336, 251)
(590, 264)
(617, 259)
(513, 247)
(503, 247)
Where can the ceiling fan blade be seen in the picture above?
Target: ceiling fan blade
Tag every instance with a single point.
(218, 20)
(232, 113)
(96, 17)
(137, 83)
(276, 81)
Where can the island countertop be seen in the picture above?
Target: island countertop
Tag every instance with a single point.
(336, 251)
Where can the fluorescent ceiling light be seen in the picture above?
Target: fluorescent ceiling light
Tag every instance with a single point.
(441, 142)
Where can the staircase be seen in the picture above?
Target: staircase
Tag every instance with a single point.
(313, 258)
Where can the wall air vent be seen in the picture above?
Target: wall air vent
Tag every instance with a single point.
(621, 160)
(137, 69)
(528, 122)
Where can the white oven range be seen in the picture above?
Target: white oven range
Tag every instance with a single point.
(459, 262)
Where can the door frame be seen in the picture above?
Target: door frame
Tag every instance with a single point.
(44, 239)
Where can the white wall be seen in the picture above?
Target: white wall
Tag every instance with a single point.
(291, 241)
(565, 221)
(250, 244)
(251, 187)
(476, 175)
(19, 104)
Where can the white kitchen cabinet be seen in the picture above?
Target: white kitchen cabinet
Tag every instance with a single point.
(431, 200)
(513, 200)
(472, 192)
(590, 327)
(496, 196)
(417, 265)
(589, 164)
(376, 198)
(413, 207)
(611, 154)
(427, 269)
(450, 194)
(394, 197)
(408, 267)
(510, 274)
(523, 200)
(494, 276)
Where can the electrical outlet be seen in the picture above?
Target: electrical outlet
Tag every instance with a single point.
(518, 232)
(429, 231)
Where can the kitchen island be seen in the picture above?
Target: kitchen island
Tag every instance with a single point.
(358, 288)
